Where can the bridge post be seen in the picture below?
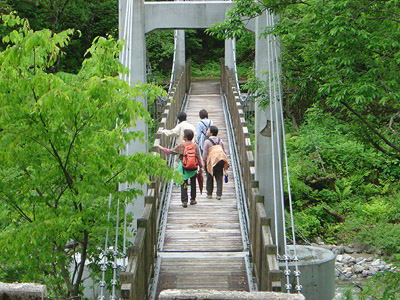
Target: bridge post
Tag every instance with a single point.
(180, 58)
(265, 139)
(229, 61)
(132, 21)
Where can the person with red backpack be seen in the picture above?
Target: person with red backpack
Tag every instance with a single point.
(190, 162)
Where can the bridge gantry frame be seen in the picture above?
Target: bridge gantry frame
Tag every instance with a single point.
(138, 17)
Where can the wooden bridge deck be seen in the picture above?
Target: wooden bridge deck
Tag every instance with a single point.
(203, 246)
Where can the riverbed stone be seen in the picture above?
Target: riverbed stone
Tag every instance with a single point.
(360, 261)
(358, 269)
(348, 250)
(357, 265)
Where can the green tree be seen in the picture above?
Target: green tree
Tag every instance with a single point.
(90, 17)
(340, 55)
(160, 53)
(59, 158)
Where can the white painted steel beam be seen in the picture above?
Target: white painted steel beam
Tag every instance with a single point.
(184, 15)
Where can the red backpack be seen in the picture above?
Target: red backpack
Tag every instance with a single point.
(189, 160)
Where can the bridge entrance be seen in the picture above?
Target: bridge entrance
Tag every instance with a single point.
(138, 17)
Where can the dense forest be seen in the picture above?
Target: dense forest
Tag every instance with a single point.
(340, 75)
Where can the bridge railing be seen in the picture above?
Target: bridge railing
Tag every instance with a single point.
(136, 279)
(262, 250)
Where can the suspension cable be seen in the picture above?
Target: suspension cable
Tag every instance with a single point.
(235, 68)
(272, 145)
(295, 257)
(115, 254)
(276, 104)
(275, 123)
(129, 30)
(103, 267)
(125, 53)
(173, 63)
(124, 260)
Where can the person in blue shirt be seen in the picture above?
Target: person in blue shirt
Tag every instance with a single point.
(201, 128)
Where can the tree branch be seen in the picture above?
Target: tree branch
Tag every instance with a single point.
(60, 12)
(65, 274)
(115, 175)
(74, 137)
(335, 215)
(387, 142)
(18, 209)
(37, 189)
(59, 196)
(55, 274)
(44, 146)
(55, 153)
(66, 174)
(82, 263)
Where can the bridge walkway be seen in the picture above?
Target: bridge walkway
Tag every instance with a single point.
(203, 245)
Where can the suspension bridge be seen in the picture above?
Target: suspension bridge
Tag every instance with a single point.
(236, 247)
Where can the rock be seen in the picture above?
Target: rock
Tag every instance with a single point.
(357, 269)
(348, 250)
(338, 250)
(369, 259)
(373, 270)
(349, 267)
(347, 258)
(343, 277)
(366, 248)
(351, 263)
(376, 262)
(360, 261)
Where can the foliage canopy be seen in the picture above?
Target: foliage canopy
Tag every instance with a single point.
(60, 136)
(343, 56)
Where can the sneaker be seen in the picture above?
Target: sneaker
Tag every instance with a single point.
(218, 197)
(209, 196)
(184, 204)
(193, 202)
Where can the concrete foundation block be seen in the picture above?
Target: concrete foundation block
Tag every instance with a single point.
(22, 291)
(225, 295)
